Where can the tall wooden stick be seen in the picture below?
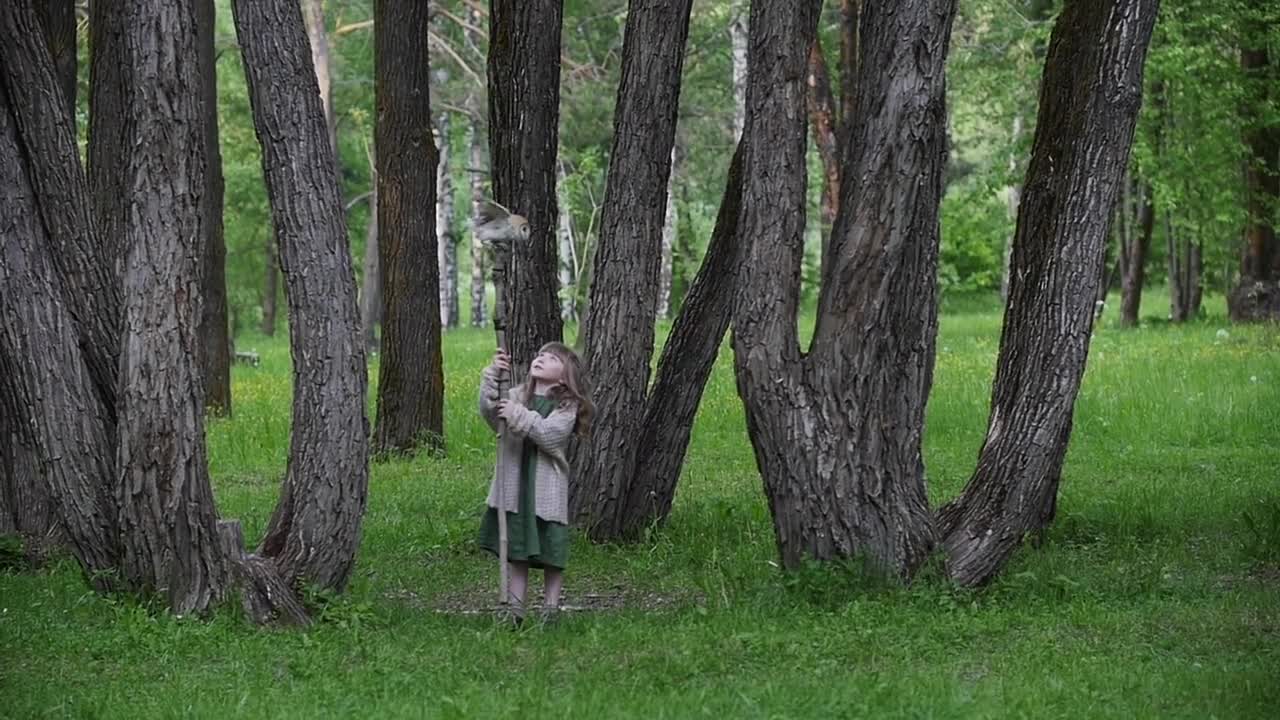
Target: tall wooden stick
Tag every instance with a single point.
(501, 257)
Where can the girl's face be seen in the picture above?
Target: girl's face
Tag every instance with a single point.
(547, 367)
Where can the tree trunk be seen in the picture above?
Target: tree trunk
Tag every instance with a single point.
(618, 334)
(371, 293)
(318, 40)
(1089, 103)
(687, 359)
(270, 287)
(26, 509)
(524, 112)
(738, 46)
(168, 523)
(315, 530)
(84, 265)
(850, 57)
(446, 247)
(1177, 304)
(837, 432)
(1136, 259)
(45, 382)
(214, 338)
(670, 225)
(1257, 295)
(410, 375)
(58, 20)
(821, 106)
(568, 255)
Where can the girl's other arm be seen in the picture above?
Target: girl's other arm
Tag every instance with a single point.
(549, 433)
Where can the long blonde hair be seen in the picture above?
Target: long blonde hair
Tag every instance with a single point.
(573, 386)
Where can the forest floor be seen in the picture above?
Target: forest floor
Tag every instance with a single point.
(1157, 593)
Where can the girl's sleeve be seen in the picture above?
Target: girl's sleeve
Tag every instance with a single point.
(549, 433)
(489, 397)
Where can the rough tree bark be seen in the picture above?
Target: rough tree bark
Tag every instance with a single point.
(524, 112)
(315, 530)
(1257, 294)
(318, 40)
(446, 241)
(410, 375)
(107, 131)
(836, 432)
(618, 333)
(670, 228)
(168, 524)
(1135, 264)
(58, 20)
(45, 382)
(850, 57)
(1089, 103)
(215, 342)
(686, 362)
(85, 265)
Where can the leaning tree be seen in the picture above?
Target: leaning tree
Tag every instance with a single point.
(1089, 102)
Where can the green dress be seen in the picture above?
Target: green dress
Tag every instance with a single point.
(530, 539)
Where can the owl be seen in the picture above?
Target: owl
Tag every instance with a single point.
(497, 227)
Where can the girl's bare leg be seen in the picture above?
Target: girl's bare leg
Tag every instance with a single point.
(519, 586)
(554, 580)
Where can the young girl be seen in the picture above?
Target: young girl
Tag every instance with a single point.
(540, 415)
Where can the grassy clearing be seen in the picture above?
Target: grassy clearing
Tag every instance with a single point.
(1152, 598)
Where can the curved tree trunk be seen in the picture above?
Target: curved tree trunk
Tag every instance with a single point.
(524, 112)
(837, 432)
(58, 19)
(44, 374)
(315, 530)
(1089, 103)
(85, 266)
(410, 374)
(618, 333)
(215, 341)
(168, 523)
(687, 359)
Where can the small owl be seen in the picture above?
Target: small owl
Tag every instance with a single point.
(497, 227)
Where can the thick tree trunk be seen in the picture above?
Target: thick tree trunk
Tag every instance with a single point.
(850, 59)
(687, 359)
(26, 509)
(215, 343)
(58, 20)
(108, 132)
(315, 530)
(738, 46)
(1089, 103)
(318, 40)
(168, 523)
(670, 226)
(1136, 260)
(45, 382)
(270, 286)
(446, 245)
(410, 375)
(85, 266)
(479, 295)
(524, 112)
(1257, 295)
(837, 432)
(618, 334)
(371, 291)
(567, 254)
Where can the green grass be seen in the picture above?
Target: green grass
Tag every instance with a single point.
(1153, 597)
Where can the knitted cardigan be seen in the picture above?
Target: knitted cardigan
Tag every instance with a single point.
(551, 434)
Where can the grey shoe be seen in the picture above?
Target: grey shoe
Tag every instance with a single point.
(549, 616)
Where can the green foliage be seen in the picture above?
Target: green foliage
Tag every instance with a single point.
(1145, 601)
(12, 553)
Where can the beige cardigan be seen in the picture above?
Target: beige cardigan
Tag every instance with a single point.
(551, 435)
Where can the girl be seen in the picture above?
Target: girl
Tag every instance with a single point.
(540, 414)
